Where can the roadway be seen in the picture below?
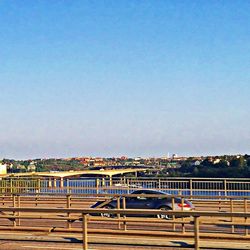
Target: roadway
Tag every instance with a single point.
(69, 241)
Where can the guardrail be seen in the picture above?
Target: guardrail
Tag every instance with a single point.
(194, 186)
(195, 221)
(214, 203)
(185, 186)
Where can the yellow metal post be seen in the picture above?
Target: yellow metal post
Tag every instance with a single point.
(18, 205)
(61, 182)
(67, 186)
(191, 186)
(11, 186)
(97, 185)
(225, 187)
(110, 181)
(68, 206)
(84, 232)
(159, 184)
(173, 208)
(118, 215)
(49, 183)
(39, 186)
(36, 200)
(124, 207)
(245, 211)
(14, 213)
(231, 211)
(196, 233)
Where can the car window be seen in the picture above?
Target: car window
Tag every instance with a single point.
(148, 192)
(137, 192)
(155, 193)
(146, 198)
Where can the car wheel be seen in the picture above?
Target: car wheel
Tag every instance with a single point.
(107, 215)
(165, 216)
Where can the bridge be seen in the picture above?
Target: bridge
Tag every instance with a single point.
(62, 175)
(71, 173)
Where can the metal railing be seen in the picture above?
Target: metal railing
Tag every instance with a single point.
(185, 186)
(201, 203)
(195, 221)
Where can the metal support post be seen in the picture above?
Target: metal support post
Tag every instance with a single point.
(36, 200)
(196, 233)
(84, 231)
(67, 186)
(49, 183)
(97, 185)
(110, 181)
(173, 208)
(225, 187)
(124, 207)
(118, 215)
(182, 208)
(39, 186)
(54, 182)
(159, 184)
(231, 211)
(18, 205)
(14, 213)
(191, 187)
(245, 211)
(68, 206)
(136, 174)
(61, 182)
(11, 186)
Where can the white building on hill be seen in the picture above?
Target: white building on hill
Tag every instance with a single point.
(3, 168)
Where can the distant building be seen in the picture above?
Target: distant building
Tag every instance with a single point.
(3, 168)
(137, 158)
(216, 161)
(197, 163)
(174, 156)
(31, 167)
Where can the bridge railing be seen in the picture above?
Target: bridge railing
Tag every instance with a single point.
(201, 203)
(186, 186)
(190, 223)
(197, 186)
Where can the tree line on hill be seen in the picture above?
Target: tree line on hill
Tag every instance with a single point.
(221, 167)
(234, 166)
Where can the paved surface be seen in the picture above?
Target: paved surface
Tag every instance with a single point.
(26, 242)
(6, 245)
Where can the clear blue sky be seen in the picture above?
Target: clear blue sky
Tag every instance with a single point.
(135, 78)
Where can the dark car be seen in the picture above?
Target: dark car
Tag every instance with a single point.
(141, 202)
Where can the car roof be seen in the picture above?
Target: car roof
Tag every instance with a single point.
(146, 191)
